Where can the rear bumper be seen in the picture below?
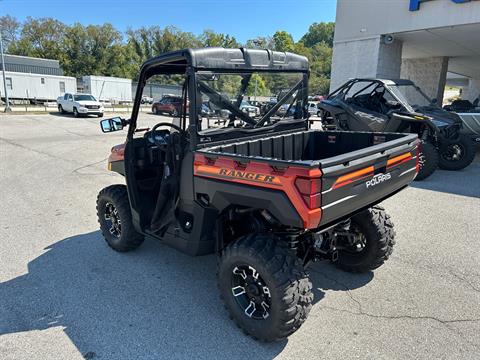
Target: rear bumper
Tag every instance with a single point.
(367, 190)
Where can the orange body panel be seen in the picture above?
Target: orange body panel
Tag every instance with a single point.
(263, 175)
(117, 153)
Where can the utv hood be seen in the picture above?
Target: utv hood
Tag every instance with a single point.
(440, 117)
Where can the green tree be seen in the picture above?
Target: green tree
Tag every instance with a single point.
(257, 86)
(10, 28)
(260, 42)
(209, 38)
(96, 50)
(283, 41)
(319, 32)
(41, 38)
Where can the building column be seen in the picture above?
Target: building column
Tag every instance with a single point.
(472, 91)
(430, 74)
(365, 58)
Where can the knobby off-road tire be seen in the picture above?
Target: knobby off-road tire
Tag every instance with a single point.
(113, 205)
(375, 226)
(467, 148)
(427, 160)
(279, 270)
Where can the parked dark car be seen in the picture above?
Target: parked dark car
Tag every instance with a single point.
(378, 105)
(171, 105)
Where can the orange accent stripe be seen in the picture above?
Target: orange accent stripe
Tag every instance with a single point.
(350, 177)
(399, 158)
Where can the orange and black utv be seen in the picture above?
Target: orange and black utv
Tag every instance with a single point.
(261, 190)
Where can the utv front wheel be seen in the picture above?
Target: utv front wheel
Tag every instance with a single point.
(368, 243)
(115, 218)
(427, 160)
(457, 155)
(264, 287)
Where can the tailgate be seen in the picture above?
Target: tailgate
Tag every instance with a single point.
(362, 178)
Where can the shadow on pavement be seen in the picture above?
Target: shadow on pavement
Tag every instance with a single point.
(70, 115)
(326, 276)
(464, 182)
(154, 302)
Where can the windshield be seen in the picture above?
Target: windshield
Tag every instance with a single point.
(277, 96)
(411, 96)
(84, 98)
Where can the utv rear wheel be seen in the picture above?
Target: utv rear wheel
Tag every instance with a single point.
(264, 287)
(115, 218)
(457, 155)
(371, 244)
(427, 160)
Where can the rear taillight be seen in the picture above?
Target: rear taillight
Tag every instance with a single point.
(310, 189)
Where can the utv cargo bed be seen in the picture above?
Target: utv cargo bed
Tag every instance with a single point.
(326, 175)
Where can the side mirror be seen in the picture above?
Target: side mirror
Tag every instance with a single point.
(113, 124)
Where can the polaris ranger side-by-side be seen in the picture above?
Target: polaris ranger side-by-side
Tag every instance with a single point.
(263, 191)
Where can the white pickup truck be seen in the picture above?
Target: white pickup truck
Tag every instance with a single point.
(79, 104)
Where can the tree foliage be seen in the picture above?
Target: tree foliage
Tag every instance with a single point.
(318, 33)
(103, 50)
(10, 29)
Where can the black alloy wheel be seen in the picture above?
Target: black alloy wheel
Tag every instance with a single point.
(368, 243)
(457, 155)
(113, 220)
(251, 292)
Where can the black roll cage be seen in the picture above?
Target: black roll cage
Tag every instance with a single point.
(378, 82)
(188, 62)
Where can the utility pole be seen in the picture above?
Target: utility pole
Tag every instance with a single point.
(7, 103)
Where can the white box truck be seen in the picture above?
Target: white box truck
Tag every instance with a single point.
(106, 88)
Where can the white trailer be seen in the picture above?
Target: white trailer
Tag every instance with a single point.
(106, 88)
(37, 87)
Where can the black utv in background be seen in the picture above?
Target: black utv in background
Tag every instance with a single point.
(400, 106)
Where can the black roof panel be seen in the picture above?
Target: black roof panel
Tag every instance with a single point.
(217, 58)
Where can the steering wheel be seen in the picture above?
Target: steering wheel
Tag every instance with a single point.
(152, 132)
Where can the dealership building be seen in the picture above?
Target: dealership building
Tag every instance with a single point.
(431, 42)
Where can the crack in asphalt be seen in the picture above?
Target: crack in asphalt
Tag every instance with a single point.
(472, 286)
(13, 143)
(360, 311)
(435, 270)
(347, 289)
(88, 165)
(74, 171)
(400, 317)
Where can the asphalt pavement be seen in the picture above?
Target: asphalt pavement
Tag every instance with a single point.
(64, 294)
